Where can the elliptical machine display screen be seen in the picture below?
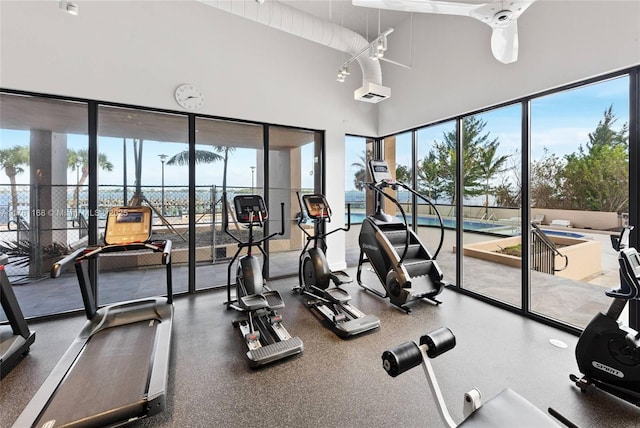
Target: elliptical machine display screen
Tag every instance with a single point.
(245, 205)
(316, 206)
(128, 224)
(380, 172)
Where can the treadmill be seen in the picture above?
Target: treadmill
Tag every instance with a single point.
(15, 338)
(115, 371)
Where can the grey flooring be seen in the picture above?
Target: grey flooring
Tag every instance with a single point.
(338, 382)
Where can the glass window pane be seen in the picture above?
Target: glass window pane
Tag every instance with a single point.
(435, 170)
(492, 189)
(357, 152)
(580, 195)
(39, 138)
(229, 157)
(137, 152)
(294, 164)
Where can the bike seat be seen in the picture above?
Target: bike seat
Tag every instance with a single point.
(508, 409)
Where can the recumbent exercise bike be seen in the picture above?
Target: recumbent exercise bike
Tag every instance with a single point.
(262, 329)
(315, 277)
(608, 352)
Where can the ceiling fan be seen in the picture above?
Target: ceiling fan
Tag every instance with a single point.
(501, 16)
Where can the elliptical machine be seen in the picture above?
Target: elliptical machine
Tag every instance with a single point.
(404, 266)
(608, 352)
(331, 302)
(262, 329)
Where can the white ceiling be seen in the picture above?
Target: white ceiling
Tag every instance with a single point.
(362, 20)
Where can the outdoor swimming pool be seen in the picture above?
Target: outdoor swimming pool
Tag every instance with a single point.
(508, 229)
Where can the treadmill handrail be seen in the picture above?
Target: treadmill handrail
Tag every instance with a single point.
(62, 264)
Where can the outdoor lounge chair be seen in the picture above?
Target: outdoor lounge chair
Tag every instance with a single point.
(537, 219)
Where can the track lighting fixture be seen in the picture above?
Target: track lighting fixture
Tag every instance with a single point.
(342, 73)
(69, 7)
(375, 49)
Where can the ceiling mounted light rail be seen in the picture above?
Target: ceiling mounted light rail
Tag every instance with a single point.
(375, 50)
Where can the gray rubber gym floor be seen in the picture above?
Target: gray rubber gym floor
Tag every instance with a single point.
(338, 382)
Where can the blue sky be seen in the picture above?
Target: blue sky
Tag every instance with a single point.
(239, 170)
(559, 122)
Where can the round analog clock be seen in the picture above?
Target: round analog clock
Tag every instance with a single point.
(189, 97)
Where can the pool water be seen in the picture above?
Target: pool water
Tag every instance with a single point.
(470, 225)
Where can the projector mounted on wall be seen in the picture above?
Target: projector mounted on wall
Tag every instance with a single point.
(372, 93)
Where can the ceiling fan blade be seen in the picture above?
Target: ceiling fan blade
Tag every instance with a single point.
(423, 6)
(504, 42)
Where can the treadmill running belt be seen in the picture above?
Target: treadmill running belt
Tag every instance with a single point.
(108, 381)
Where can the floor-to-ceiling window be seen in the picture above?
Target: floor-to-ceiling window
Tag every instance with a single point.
(141, 162)
(579, 193)
(436, 181)
(357, 152)
(491, 146)
(228, 159)
(563, 154)
(398, 152)
(43, 160)
(294, 167)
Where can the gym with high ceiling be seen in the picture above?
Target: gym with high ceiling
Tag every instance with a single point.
(245, 213)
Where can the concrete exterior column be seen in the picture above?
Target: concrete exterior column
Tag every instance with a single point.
(48, 196)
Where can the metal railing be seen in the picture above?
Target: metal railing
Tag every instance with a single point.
(544, 252)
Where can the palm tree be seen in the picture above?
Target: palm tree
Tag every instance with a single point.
(489, 165)
(78, 160)
(206, 156)
(11, 160)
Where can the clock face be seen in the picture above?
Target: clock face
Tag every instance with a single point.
(189, 97)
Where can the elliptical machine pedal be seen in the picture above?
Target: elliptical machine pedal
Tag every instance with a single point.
(331, 302)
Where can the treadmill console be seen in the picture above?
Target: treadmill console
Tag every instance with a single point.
(127, 225)
(380, 172)
(317, 207)
(250, 205)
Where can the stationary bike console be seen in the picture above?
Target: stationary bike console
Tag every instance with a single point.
(250, 208)
(629, 260)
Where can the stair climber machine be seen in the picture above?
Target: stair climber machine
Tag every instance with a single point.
(405, 267)
(262, 329)
(330, 301)
(608, 352)
(507, 409)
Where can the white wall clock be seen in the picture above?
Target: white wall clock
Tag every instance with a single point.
(189, 96)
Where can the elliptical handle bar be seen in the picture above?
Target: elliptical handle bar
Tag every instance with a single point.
(266, 238)
(345, 229)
